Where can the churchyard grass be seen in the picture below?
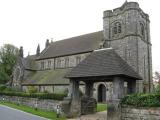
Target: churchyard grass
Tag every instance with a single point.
(46, 114)
(101, 107)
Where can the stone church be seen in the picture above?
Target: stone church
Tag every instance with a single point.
(126, 29)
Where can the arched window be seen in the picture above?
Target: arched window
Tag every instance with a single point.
(49, 64)
(59, 63)
(78, 60)
(67, 62)
(142, 29)
(117, 28)
(42, 65)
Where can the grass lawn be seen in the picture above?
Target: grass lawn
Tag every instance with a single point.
(101, 107)
(42, 113)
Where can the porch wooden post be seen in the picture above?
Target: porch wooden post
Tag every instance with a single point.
(114, 109)
(118, 88)
(75, 104)
(75, 90)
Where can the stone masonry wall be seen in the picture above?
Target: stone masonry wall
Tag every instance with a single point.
(49, 105)
(130, 113)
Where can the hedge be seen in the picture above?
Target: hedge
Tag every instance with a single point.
(142, 100)
(36, 95)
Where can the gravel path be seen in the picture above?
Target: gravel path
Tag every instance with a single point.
(97, 116)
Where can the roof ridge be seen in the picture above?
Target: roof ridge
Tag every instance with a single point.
(77, 36)
(75, 45)
(103, 49)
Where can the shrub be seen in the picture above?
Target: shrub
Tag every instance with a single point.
(45, 91)
(12, 89)
(32, 89)
(8, 89)
(35, 95)
(66, 91)
(142, 100)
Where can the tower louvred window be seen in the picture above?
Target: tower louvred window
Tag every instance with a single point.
(142, 28)
(117, 28)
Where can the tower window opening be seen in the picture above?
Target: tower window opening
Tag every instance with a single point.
(117, 28)
(142, 29)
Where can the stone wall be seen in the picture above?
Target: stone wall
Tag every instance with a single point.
(131, 113)
(44, 104)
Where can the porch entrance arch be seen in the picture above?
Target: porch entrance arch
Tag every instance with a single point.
(101, 93)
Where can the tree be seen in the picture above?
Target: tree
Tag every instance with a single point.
(8, 57)
(3, 76)
(157, 81)
(157, 77)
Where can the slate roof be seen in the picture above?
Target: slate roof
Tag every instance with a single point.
(104, 62)
(47, 77)
(74, 45)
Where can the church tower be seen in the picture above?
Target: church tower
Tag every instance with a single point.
(127, 30)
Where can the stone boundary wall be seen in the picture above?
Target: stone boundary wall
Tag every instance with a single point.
(132, 113)
(45, 104)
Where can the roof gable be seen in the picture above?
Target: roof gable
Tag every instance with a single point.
(103, 63)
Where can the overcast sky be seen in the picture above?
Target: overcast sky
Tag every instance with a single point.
(29, 22)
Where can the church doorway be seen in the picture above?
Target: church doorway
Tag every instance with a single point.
(101, 93)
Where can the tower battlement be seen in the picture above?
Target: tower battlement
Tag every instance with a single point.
(125, 7)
